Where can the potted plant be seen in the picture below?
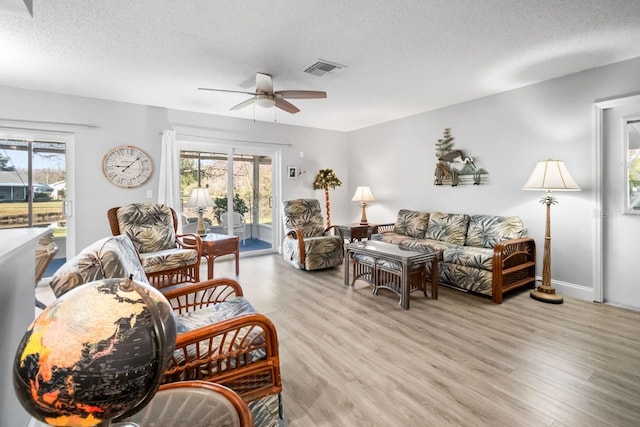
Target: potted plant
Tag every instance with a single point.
(239, 205)
(326, 179)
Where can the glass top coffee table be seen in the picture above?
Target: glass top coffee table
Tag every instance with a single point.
(392, 267)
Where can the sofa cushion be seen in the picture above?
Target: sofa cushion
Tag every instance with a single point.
(389, 237)
(168, 259)
(411, 223)
(451, 228)
(221, 346)
(110, 257)
(469, 256)
(487, 230)
(422, 245)
(212, 314)
(148, 225)
(464, 277)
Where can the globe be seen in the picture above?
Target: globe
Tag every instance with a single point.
(95, 354)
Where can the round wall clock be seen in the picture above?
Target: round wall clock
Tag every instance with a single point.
(127, 166)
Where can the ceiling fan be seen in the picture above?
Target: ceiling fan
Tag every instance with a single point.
(265, 96)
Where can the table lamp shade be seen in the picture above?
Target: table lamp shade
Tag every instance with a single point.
(363, 194)
(200, 198)
(551, 175)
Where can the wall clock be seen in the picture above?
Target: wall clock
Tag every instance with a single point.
(127, 166)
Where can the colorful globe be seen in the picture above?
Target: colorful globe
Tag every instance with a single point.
(95, 354)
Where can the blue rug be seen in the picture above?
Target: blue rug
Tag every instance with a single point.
(249, 245)
(254, 245)
(55, 264)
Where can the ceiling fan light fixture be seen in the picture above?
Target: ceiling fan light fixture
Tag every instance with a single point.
(265, 100)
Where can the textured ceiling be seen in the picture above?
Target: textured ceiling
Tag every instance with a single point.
(402, 57)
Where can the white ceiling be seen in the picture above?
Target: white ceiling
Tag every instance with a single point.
(403, 57)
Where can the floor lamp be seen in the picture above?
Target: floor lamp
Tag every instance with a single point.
(549, 175)
(200, 200)
(364, 196)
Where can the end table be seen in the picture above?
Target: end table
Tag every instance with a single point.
(353, 232)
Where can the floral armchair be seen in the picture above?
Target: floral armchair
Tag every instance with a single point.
(307, 245)
(165, 257)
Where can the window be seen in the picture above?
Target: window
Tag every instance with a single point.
(32, 184)
(632, 170)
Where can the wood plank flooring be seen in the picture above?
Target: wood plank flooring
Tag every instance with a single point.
(350, 358)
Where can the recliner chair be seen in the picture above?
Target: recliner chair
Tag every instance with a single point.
(307, 245)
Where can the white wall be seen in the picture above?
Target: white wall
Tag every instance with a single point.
(121, 123)
(506, 134)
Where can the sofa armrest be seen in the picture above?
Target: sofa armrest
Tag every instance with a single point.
(240, 353)
(381, 228)
(514, 265)
(185, 298)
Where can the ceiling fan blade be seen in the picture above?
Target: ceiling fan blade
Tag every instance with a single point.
(228, 91)
(244, 104)
(264, 83)
(301, 94)
(286, 105)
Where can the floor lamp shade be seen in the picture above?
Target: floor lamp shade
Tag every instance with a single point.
(363, 195)
(549, 175)
(200, 199)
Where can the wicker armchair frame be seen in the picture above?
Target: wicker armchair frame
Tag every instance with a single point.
(165, 278)
(149, 412)
(221, 352)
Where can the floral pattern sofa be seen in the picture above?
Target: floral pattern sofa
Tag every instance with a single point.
(483, 254)
(220, 336)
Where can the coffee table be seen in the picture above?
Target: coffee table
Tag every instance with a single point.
(392, 267)
(215, 245)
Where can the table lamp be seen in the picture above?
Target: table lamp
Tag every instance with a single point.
(200, 200)
(549, 175)
(363, 195)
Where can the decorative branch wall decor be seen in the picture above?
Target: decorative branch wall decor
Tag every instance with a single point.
(447, 173)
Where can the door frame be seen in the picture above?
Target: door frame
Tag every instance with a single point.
(231, 147)
(598, 131)
(11, 132)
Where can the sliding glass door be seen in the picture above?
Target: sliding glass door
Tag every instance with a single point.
(33, 184)
(240, 183)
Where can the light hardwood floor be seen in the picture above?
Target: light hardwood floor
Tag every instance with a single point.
(350, 358)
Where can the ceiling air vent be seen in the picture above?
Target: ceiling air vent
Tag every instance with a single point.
(322, 67)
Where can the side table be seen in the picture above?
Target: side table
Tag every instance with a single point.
(215, 245)
(353, 232)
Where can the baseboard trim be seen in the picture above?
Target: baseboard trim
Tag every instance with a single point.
(572, 290)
